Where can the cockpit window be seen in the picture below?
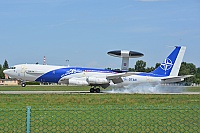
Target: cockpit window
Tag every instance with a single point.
(12, 67)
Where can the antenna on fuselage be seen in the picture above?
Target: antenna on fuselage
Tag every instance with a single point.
(125, 55)
(44, 61)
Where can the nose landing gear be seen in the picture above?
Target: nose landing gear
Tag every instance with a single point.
(23, 84)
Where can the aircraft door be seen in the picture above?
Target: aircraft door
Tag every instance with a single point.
(23, 71)
(84, 73)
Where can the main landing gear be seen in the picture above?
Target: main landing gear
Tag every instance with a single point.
(94, 89)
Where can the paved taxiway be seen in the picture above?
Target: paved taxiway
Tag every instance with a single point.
(83, 92)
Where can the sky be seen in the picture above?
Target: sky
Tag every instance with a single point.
(81, 32)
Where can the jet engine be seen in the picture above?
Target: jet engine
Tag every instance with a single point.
(77, 82)
(73, 81)
(93, 80)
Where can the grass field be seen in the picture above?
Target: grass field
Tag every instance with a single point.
(67, 88)
(44, 88)
(99, 112)
(97, 99)
(18, 101)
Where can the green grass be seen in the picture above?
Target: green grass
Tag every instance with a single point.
(44, 88)
(193, 89)
(92, 100)
(99, 112)
(19, 101)
(67, 88)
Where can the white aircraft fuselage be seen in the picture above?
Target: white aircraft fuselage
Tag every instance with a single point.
(167, 72)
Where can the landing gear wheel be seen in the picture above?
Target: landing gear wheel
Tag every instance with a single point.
(23, 84)
(97, 90)
(92, 90)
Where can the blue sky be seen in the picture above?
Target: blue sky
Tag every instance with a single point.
(83, 31)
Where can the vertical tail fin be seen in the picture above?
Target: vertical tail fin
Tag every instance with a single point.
(171, 65)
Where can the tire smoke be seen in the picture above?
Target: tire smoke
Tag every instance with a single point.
(147, 89)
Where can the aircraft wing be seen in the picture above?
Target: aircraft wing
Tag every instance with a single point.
(175, 79)
(117, 78)
(97, 81)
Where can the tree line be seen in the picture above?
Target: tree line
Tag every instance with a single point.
(140, 66)
(2, 68)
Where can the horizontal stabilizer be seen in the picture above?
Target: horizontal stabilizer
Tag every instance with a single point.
(175, 79)
(119, 75)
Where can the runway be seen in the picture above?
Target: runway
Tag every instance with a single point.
(87, 92)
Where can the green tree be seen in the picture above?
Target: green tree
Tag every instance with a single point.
(131, 70)
(140, 66)
(188, 69)
(5, 65)
(1, 72)
(157, 65)
(2, 68)
(197, 76)
(149, 69)
(108, 68)
(198, 72)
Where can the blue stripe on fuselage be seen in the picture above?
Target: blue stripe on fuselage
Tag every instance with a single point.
(55, 75)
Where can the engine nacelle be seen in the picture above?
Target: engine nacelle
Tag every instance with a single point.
(77, 82)
(93, 80)
(73, 81)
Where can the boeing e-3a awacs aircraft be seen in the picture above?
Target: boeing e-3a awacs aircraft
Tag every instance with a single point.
(167, 72)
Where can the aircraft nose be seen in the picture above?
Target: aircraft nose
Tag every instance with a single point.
(5, 71)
